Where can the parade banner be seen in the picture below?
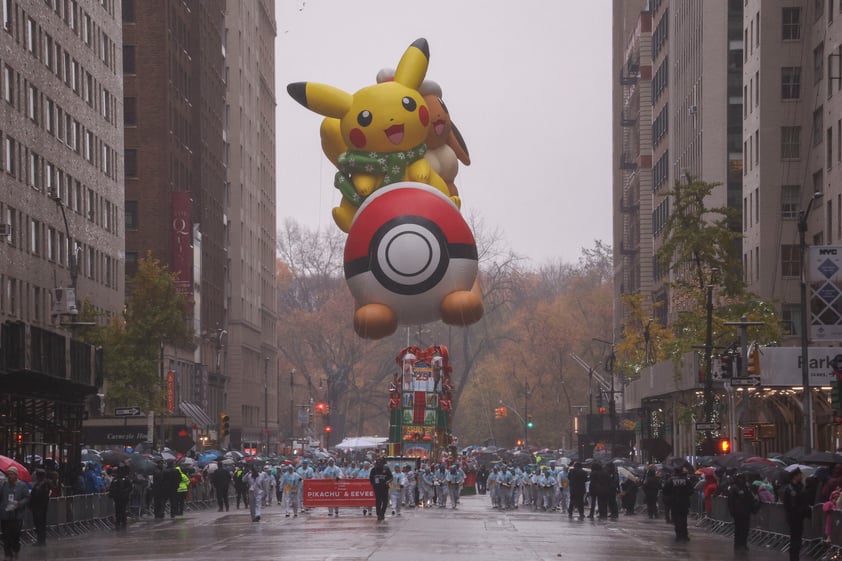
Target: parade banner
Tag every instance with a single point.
(338, 492)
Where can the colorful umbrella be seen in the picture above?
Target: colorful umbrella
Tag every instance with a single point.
(23, 473)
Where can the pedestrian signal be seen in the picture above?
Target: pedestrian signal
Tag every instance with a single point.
(753, 364)
(724, 445)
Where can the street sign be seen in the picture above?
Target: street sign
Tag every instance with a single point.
(127, 411)
(750, 381)
(707, 426)
(750, 433)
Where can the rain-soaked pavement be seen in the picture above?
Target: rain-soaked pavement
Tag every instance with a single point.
(473, 532)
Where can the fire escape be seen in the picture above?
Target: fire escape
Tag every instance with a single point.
(629, 203)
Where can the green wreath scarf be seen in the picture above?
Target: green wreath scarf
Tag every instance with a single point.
(391, 165)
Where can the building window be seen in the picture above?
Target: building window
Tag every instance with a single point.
(818, 63)
(791, 23)
(790, 260)
(790, 143)
(8, 84)
(130, 157)
(790, 201)
(130, 111)
(10, 156)
(818, 181)
(818, 125)
(791, 82)
(131, 215)
(128, 10)
(791, 319)
(131, 263)
(128, 59)
(30, 35)
(32, 103)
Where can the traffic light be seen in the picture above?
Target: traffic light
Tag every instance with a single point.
(723, 445)
(497, 413)
(726, 366)
(320, 408)
(328, 428)
(753, 364)
(601, 410)
(224, 425)
(529, 422)
(519, 442)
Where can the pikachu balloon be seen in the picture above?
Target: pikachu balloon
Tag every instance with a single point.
(410, 257)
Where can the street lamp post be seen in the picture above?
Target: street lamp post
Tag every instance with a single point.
(803, 215)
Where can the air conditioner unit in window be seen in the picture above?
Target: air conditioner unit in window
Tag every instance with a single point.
(5, 230)
(64, 302)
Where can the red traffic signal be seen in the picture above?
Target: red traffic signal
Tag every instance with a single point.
(321, 408)
(328, 428)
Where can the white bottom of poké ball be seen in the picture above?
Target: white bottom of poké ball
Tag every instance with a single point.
(411, 265)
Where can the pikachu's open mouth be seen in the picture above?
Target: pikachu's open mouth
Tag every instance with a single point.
(395, 134)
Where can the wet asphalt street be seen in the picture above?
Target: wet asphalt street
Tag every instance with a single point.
(473, 532)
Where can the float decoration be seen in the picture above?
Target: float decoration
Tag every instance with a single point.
(420, 426)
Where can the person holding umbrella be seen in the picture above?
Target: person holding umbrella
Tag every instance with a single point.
(741, 504)
(14, 496)
(221, 479)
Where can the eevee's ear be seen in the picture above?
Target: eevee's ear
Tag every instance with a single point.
(321, 98)
(457, 143)
(413, 65)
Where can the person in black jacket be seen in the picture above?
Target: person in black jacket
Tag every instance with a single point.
(578, 483)
(120, 492)
(39, 500)
(797, 508)
(380, 477)
(170, 482)
(599, 489)
(651, 487)
(678, 489)
(221, 480)
(613, 488)
(741, 504)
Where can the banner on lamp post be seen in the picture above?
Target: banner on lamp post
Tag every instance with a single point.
(824, 279)
(170, 391)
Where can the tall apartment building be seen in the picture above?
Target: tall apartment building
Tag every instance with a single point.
(61, 209)
(792, 127)
(174, 109)
(677, 107)
(252, 397)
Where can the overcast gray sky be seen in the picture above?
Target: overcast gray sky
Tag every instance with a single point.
(528, 83)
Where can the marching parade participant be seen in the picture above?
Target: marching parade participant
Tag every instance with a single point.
(332, 472)
(409, 486)
(441, 486)
(426, 486)
(494, 487)
(454, 480)
(290, 482)
(304, 471)
(398, 482)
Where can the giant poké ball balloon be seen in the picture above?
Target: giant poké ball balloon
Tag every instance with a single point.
(410, 258)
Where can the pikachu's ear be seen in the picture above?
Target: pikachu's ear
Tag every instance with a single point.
(413, 65)
(321, 98)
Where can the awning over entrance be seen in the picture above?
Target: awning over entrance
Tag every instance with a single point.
(196, 413)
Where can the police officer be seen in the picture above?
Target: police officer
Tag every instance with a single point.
(380, 477)
(578, 484)
(678, 489)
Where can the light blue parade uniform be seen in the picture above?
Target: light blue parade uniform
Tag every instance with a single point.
(332, 472)
(494, 487)
(564, 490)
(304, 471)
(526, 486)
(398, 482)
(362, 473)
(454, 479)
(426, 488)
(441, 486)
(290, 483)
(506, 488)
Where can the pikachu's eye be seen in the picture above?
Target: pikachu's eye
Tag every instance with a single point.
(364, 118)
(409, 103)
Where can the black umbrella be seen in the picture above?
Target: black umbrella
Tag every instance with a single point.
(821, 458)
(141, 464)
(796, 453)
(114, 457)
(729, 460)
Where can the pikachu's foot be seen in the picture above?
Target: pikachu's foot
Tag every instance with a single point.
(343, 218)
(375, 321)
(462, 307)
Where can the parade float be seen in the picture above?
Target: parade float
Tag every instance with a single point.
(420, 404)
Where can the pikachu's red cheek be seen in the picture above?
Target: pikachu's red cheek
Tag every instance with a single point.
(357, 138)
(424, 115)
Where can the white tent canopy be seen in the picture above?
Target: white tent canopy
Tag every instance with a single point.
(362, 442)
